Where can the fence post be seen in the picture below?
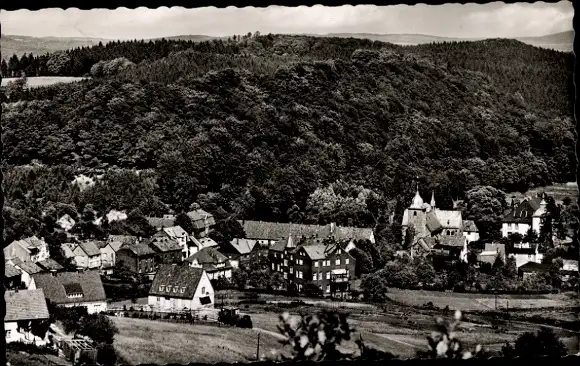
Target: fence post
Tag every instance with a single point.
(258, 348)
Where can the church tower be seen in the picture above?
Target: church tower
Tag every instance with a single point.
(415, 216)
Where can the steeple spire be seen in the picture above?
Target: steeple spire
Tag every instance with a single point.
(432, 199)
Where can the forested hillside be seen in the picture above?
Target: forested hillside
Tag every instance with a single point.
(283, 128)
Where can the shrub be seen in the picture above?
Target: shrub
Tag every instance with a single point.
(245, 322)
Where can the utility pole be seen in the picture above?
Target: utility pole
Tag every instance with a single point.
(258, 349)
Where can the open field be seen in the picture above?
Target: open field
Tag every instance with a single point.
(37, 81)
(463, 301)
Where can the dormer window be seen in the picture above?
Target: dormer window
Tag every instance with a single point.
(161, 288)
(182, 290)
(175, 288)
(168, 288)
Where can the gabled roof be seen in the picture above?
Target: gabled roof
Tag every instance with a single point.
(276, 230)
(138, 249)
(90, 248)
(161, 222)
(28, 267)
(352, 233)
(469, 225)
(523, 212)
(207, 242)
(116, 241)
(427, 243)
(243, 246)
(175, 231)
(25, 305)
(279, 246)
(54, 286)
(316, 252)
(178, 277)
(50, 265)
(208, 256)
(200, 219)
(432, 222)
(162, 244)
(449, 219)
(11, 271)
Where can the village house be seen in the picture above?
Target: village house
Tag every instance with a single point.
(178, 234)
(50, 265)
(239, 251)
(532, 268)
(137, 258)
(213, 262)
(470, 231)
(569, 269)
(12, 277)
(325, 263)
(25, 309)
(524, 216)
(168, 251)
(27, 270)
(268, 233)
(66, 222)
(181, 287)
(203, 222)
(447, 250)
(70, 289)
(524, 253)
(426, 220)
(30, 249)
(112, 246)
(491, 252)
(84, 255)
(115, 215)
(168, 220)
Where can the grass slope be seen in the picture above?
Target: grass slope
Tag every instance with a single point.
(38, 81)
(19, 45)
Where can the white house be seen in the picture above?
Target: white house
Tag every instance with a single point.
(115, 215)
(524, 216)
(213, 262)
(66, 222)
(470, 231)
(85, 254)
(180, 287)
(71, 289)
(113, 244)
(30, 249)
(23, 308)
(176, 233)
(524, 253)
(27, 270)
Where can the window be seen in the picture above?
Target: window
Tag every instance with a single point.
(316, 264)
(347, 261)
(327, 288)
(291, 270)
(285, 275)
(320, 276)
(328, 275)
(338, 252)
(273, 266)
(286, 262)
(8, 333)
(282, 255)
(183, 290)
(158, 299)
(517, 226)
(314, 277)
(291, 257)
(168, 288)
(203, 290)
(161, 288)
(414, 213)
(277, 267)
(337, 262)
(175, 288)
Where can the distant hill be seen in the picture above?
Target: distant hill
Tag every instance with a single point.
(563, 41)
(19, 45)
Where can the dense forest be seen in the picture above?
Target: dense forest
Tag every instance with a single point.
(285, 128)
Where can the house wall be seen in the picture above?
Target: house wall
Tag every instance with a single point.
(536, 224)
(509, 227)
(12, 334)
(94, 261)
(93, 307)
(204, 288)
(471, 235)
(27, 279)
(16, 251)
(522, 259)
(108, 256)
(42, 254)
(227, 273)
(174, 256)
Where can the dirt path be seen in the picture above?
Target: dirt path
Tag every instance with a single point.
(389, 338)
(269, 332)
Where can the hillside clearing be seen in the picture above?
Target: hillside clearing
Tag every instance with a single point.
(37, 81)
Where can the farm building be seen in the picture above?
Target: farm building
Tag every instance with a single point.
(213, 262)
(73, 289)
(181, 287)
(25, 310)
(30, 249)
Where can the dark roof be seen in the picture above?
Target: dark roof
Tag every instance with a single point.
(354, 233)
(117, 241)
(208, 256)
(523, 212)
(243, 246)
(181, 277)
(469, 225)
(11, 271)
(316, 252)
(432, 222)
(54, 286)
(25, 305)
(200, 219)
(276, 230)
(50, 265)
(73, 288)
(28, 267)
(534, 267)
(90, 248)
(162, 244)
(139, 249)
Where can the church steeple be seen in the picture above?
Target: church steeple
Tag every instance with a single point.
(432, 200)
(417, 200)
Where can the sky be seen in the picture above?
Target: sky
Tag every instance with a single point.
(492, 20)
